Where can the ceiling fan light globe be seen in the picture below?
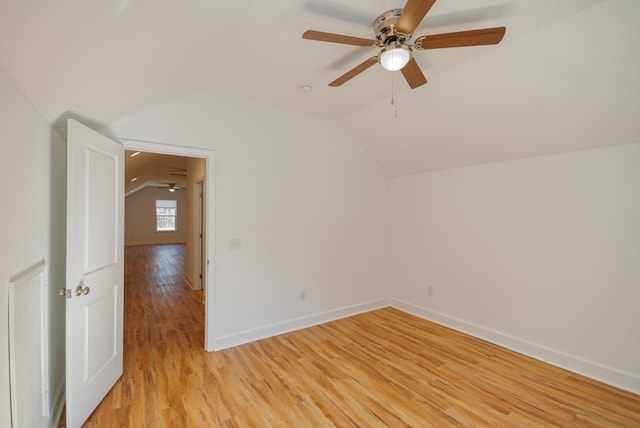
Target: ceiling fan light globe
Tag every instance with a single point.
(395, 58)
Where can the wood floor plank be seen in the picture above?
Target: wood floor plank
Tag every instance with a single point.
(382, 368)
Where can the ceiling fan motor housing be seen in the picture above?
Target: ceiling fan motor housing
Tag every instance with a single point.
(385, 28)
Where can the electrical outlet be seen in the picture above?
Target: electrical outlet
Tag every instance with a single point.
(303, 295)
(430, 290)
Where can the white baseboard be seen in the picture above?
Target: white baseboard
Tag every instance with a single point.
(594, 370)
(58, 403)
(191, 283)
(275, 329)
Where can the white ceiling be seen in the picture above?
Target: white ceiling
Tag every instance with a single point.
(564, 78)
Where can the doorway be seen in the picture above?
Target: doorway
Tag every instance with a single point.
(199, 188)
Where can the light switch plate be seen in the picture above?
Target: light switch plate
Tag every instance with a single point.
(235, 244)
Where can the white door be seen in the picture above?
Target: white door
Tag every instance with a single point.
(95, 273)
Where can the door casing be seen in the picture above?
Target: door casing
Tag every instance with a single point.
(209, 157)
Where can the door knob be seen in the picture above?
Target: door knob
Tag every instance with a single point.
(80, 290)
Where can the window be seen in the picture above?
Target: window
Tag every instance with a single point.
(166, 215)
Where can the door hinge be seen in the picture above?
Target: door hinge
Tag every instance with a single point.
(200, 276)
(65, 292)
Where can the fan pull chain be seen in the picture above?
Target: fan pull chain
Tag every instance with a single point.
(393, 93)
(393, 101)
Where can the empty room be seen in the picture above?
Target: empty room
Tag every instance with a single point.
(412, 213)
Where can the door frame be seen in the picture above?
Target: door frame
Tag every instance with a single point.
(209, 156)
(200, 233)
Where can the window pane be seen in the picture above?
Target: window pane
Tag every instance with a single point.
(160, 203)
(166, 223)
(166, 211)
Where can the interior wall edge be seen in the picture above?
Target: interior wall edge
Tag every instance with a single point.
(627, 381)
(288, 326)
(59, 401)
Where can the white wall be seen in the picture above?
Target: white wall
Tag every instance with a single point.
(541, 255)
(140, 217)
(310, 208)
(28, 147)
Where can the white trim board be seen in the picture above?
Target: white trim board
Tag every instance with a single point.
(275, 329)
(576, 364)
(554, 357)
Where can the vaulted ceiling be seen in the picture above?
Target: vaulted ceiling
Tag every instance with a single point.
(564, 78)
(153, 170)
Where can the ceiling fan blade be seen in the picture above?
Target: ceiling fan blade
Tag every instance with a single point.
(337, 38)
(354, 72)
(485, 36)
(413, 74)
(412, 15)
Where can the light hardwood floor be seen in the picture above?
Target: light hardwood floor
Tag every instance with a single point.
(383, 368)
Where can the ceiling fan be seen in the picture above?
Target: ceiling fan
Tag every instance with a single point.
(393, 30)
(173, 187)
